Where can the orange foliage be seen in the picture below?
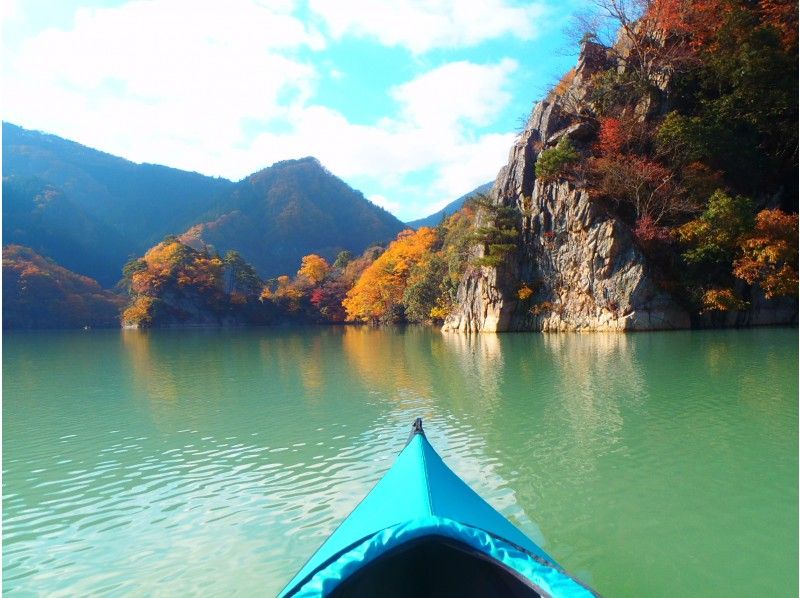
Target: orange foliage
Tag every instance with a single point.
(562, 86)
(722, 300)
(38, 293)
(314, 268)
(524, 293)
(770, 254)
(173, 268)
(668, 15)
(381, 285)
(287, 294)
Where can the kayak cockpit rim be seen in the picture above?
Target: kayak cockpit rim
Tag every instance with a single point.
(421, 521)
(432, 537)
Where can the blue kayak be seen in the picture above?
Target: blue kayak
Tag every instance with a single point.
(422, 532)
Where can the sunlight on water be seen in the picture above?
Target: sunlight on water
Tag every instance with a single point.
(213, 463)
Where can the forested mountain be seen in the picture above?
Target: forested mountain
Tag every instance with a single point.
(40, 216)
(454, 206)
(276, 216)
(38, 293)
(115, 206)
(92, 211)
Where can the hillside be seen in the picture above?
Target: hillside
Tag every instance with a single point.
(39, 215)
(131, 206)
(454, 206)
(92, 211)
(293, 208)
(40, 294)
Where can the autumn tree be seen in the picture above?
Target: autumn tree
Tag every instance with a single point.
(715, 236)
(378, 292)
(314, 268)
(174, 283)
(769, 254)
(240, 277)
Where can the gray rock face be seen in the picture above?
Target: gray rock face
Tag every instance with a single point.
(581, 262)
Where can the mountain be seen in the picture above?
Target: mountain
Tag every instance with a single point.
(66, 197)
(293, 208)
(92, 211)
(39, 215)
(38, 293)
(451, 208)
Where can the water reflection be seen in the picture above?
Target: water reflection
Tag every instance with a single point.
(215, 462)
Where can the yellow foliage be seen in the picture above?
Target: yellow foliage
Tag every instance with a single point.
(314, 268)
(722, 300)
(524, 293)
(139, 312)
(565, 82)
(381, 285)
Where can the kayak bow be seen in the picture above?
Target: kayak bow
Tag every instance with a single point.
(421, 531)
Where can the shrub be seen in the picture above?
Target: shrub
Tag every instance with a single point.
(552, 162)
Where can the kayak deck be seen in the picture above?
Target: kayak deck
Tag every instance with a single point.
(422, 531)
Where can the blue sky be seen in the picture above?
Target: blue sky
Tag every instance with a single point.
(412, 102)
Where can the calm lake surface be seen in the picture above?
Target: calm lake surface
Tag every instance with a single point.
(213, 463)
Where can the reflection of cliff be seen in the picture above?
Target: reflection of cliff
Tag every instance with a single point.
(397, 364)
(597, 371)
(480, 361)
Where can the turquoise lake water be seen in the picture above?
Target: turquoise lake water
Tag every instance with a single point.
(213, 463)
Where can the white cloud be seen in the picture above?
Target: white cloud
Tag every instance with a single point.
(387, 204)
(458, 90)
(145, 81)
(429, 133)
(423, 25)
(146, 77)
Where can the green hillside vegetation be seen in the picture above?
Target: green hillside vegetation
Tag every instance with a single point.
(276, 216)
(101, 209)
(39, 215)
(38, 293)
(133, 205)
(709, 182)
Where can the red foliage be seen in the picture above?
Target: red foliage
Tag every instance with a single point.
(317, 297)
(782, 16)
(648, 232)
(610, 138)
(668, 15)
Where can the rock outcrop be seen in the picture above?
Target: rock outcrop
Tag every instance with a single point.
(577, 265)
(580, 261)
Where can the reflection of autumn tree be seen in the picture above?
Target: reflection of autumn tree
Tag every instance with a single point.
(480, 363)
(172, 371)
(381, 360)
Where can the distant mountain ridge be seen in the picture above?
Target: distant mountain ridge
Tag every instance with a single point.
(295, 207)
(91, 211)
(450, 209)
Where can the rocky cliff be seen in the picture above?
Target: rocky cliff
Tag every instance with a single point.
(581, 262)
(579, 259)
